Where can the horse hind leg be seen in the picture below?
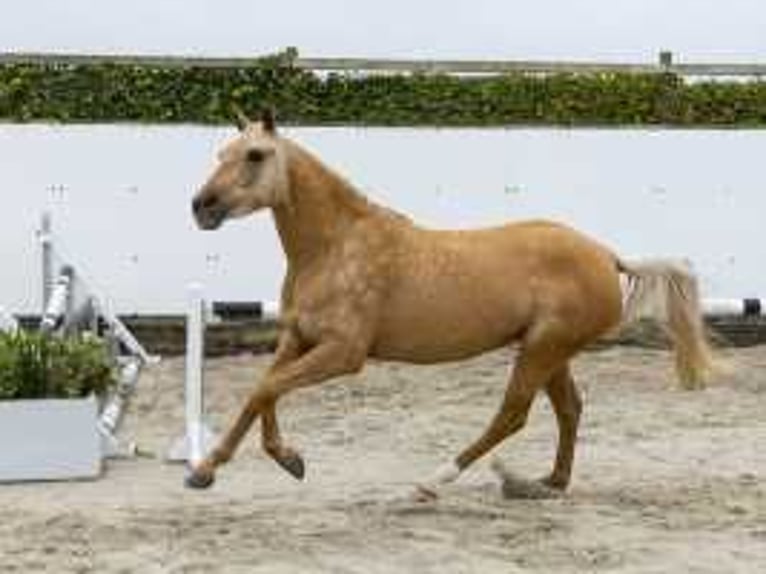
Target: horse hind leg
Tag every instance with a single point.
(567, 405)
(539, 358)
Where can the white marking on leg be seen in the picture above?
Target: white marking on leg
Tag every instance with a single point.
(445, 474)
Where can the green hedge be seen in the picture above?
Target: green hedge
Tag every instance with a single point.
(119, 92)
(33, 366)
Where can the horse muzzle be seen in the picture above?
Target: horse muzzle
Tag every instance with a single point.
(209, 212)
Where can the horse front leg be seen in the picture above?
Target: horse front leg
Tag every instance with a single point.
(271, 441)
(289, 349)
(326, 360)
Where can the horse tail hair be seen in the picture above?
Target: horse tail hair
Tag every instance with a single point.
(667, 291)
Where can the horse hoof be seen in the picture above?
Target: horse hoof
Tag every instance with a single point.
(554, 484)
(521, 489)
(423, 494)
(199, 480)
(294, 465)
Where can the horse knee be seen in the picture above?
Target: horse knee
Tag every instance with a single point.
(572, 410)
(565, 399)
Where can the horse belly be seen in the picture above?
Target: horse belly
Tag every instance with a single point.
(423, 326)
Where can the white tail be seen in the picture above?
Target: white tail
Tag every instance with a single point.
(667, 291)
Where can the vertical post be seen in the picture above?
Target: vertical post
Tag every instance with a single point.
(666, 60)
(46, 248)
(69, 307)
(195, 351)
(197, 438)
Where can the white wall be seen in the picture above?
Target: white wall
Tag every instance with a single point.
(120, 200)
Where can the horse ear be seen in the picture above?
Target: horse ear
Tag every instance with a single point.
(240, 118)
(268, 120)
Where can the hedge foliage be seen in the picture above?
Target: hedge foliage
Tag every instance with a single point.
(33, 366)
(131, 93)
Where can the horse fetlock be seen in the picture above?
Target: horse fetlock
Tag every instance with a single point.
(219, 455)
(272, 446)
(556, 481)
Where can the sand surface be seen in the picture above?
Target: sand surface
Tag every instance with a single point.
(665, 480)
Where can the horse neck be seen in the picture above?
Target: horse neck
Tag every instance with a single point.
(320, 205)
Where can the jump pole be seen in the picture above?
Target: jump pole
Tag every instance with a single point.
(197, 440)
(747, 307)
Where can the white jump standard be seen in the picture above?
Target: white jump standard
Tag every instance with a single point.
(70, 305)
(197, 439)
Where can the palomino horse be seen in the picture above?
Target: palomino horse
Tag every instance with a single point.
(364, 281)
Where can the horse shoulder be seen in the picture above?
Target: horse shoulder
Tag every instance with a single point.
(339, 294)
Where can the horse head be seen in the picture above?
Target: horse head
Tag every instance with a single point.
(251, 174)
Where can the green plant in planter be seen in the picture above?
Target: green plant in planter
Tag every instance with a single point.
(33, 366)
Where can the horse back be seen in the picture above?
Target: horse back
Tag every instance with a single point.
(456, 293)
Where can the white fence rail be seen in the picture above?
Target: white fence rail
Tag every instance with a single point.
(666, 63)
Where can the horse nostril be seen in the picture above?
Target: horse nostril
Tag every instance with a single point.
(203, 202)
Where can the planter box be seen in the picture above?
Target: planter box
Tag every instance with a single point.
(49, 439)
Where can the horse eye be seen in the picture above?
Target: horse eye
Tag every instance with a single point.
(255, 155)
